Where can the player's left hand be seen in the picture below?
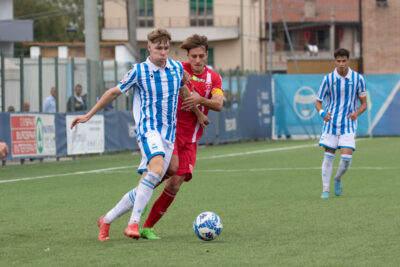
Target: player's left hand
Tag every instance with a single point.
(191, 101)
(353, 116)
(203, 120)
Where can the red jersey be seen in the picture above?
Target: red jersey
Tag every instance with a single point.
(187, 126)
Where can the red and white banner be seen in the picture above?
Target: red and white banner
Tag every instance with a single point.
(32, 135)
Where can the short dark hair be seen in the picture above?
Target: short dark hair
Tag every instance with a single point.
(195, 41)
(341, 52)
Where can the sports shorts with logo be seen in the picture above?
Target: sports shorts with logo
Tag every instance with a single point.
(152, 144)
(334, 142)
(187, 157)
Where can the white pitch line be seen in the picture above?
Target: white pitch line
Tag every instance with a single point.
(125, 167)
(256, 152)
(279, 169)
(65, 174)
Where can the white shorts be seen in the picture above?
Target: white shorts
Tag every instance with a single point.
(334, 142)
(152, 144)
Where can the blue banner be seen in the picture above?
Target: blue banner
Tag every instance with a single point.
(295, 112)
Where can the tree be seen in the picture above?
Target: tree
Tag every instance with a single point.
(54, 20)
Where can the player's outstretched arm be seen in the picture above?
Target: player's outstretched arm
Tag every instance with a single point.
(361, 108)
(104, 101)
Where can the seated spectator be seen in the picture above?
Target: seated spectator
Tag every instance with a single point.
(11, 109)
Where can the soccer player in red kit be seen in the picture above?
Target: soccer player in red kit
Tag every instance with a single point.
(206, 94)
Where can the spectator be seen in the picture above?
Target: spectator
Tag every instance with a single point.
(49, 104)
(26, 107)
(11, 109)
(80, 102)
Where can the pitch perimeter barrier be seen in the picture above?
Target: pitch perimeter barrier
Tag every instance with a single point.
(38, 135)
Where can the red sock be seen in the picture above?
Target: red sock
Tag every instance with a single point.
(159, 208)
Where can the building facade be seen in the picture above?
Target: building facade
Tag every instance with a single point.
(381, 36)
(316, 28)
(233, 28)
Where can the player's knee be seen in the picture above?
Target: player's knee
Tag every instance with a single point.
(173, 166)
(174, 184)
(156, 165)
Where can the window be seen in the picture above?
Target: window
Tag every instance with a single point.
(210, 58)
(381, 3)
(144, 13)
(201, 13)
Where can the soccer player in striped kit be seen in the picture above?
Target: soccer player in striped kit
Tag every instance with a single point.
(341, 89)
(207, 93)
(156, 84)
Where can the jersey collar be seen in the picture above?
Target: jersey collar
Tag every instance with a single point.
(153, 67)
(348, 76)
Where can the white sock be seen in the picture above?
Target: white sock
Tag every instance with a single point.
(327, 166)
(344, 165)
(123, 206)
(143, 195)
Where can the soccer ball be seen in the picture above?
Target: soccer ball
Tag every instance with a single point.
(207, 226)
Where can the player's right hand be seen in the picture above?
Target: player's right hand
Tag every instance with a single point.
(79, 119)
(328, 116)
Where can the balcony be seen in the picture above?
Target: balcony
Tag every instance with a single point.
(222, 28)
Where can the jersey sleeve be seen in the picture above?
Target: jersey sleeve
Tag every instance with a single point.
(361, 90)
(216, 85)
(129, 80)
(323, 89)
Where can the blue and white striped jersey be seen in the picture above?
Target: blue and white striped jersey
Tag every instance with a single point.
(341, 95)
(155, 96)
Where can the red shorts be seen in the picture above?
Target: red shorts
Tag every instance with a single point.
(187, 158)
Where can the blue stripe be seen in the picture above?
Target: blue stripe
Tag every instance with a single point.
(142, 120)
(146, 148)
(345, 106)
(179, 84)
(159, 99)
(323, 89)
(332, 101)
(149, 157)
(123, 85)
(327, 146)
(148, 181)
(149, 89)
(336, 114)
(131, 197)
(346, 158)
(149, 186)
(348, 147)
(171, 91)
(332, 156)
(143, 182)
(154, 176)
